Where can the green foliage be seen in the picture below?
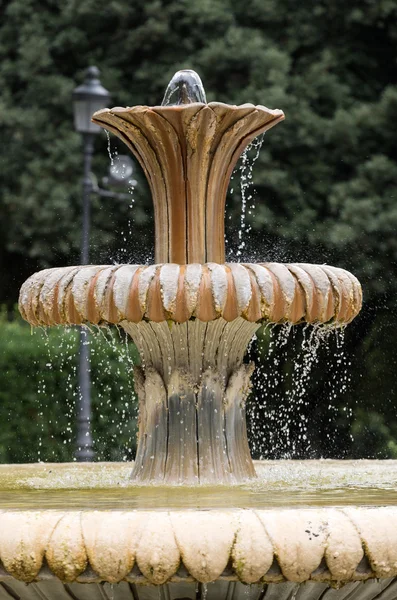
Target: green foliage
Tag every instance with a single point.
(373, 391)
(325, 181)
(332, 164)
(39, 394)
(373, 437)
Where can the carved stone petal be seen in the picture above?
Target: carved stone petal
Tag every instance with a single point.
(169, 276)
(355, 296)
(101, 288)
(25, 296)
(111, 540)
(219, 285)
(144, 283)
(158, 555)
(33, 307)
(121, 288)
(192, 284)
(344, 549)
(205, 549)
(242, 284)
(285, 280)
(321, 308)
(299, 540)
(307, 285)
(64, 283)
(345, 294)
(252, 551)
(265, 283)
(66, 554)
(48, 294)
(23, 540)
(378, 531)
(81, 282)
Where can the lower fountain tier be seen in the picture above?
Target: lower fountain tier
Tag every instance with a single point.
(192, 389)
(218, 554)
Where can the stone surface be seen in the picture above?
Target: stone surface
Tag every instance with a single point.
(257, 553)
(192, 395)
(221, 590)
(154, 547)
(188, 153)
(269, 292)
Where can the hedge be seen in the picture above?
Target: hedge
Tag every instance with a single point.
(39, 393)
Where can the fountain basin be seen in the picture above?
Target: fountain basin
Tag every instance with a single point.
(271, 292)
(303, 527)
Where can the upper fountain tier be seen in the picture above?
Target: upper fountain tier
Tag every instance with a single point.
(188, 150)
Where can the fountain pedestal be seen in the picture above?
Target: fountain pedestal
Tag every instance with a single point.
(192, 391)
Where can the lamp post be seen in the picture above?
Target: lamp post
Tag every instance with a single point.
(87, 98)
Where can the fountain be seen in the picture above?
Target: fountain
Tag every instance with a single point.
(176, 528)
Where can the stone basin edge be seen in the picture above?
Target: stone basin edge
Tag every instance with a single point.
(263, 292)
(327, 545)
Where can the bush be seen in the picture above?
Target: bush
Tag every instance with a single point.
(39, 393)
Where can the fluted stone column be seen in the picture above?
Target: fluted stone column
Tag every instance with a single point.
(192, 389)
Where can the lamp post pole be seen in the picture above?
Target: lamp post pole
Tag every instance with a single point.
(88, 98)
(88, 150)
(84, 451)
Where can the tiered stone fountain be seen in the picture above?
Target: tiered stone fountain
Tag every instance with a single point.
(191, 315)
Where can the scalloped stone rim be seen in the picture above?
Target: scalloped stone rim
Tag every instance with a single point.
(272, 292)
(188, 153)
(152, 547)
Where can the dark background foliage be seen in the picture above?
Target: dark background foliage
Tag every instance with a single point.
(38, 394)
(325, 181)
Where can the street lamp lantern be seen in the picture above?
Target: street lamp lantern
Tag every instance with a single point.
(87, 99)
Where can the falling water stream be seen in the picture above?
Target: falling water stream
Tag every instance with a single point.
(130, 249)
(281, 413)
(112, 357)
(279, 409)
(244, 173)
(246, 182)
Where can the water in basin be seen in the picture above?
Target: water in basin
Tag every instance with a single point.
(280, 484)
